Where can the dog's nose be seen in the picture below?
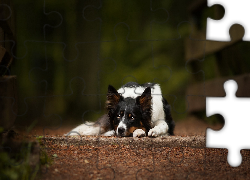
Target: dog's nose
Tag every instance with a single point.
(121, 130)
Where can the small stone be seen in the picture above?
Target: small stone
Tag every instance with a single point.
(55, 155)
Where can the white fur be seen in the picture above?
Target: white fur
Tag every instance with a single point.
(158, 115)
(132, 92)
(85, 129)
(160, 127)
(121, 125)
(139, 133)
(109, 133)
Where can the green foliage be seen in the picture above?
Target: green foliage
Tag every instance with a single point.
(1, 129)
(7, 171)
(69, 64)
(160, 61)
(45, 160)
(20, 169)
(18, 166)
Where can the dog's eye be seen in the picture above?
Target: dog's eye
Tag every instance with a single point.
(121, 114)
(131, 116)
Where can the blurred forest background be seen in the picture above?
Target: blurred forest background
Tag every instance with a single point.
(68, 52)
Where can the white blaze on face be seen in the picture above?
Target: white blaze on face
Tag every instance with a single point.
(156, 94)
(121, 125)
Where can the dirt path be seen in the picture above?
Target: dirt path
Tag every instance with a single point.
(182, 156)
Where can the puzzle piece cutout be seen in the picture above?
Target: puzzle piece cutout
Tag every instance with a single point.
(235, 112)
(236, 12)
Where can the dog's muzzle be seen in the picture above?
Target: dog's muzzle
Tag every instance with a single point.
(121, 131)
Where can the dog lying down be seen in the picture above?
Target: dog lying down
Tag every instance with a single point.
(134, 110)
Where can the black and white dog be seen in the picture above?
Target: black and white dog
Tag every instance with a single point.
(134, 110)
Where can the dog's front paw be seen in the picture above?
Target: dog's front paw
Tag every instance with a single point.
(154, 132)
(139, 133)
(109, 133)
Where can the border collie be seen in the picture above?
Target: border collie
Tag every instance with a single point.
(134, 110)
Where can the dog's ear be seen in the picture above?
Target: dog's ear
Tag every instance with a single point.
(113, 97)
(145, 99)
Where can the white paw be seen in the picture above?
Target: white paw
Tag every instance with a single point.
(109, 133)
(139, 133)
(154, 132)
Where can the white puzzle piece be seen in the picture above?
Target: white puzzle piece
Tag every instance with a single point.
(236, 12)
(235, 134)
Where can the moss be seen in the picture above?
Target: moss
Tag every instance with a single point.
(18, 168)
(45, 160)
(16, 160)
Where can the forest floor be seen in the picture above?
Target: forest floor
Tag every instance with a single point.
(182, 156)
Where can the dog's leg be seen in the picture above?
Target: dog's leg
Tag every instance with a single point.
(139, 133)
(87, 128)
(109, 133)
(160, 128)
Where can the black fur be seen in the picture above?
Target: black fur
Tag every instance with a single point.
(168, 117)
(135, 113)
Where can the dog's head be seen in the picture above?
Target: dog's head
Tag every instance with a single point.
(129, 114)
